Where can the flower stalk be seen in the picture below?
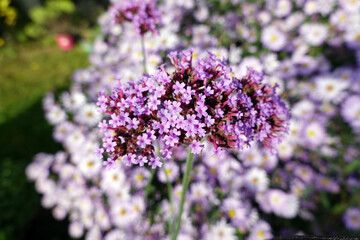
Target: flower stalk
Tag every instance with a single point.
(185, 186)
(171, 200)
(143, 53)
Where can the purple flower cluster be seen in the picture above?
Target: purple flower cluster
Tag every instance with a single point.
(143, 14)
(186, 106)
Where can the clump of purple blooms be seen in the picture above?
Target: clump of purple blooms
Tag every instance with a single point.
(195, 102)
(143, 14)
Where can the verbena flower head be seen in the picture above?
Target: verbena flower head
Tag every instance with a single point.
(195, 102)
(143, 14)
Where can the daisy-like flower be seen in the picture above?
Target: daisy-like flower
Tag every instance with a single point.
(169, 173)
(90, 166)
(351, 111)
(249, 62)
(256, 179)
(314, 134)
(352, 218)
(314, 34)
(352, 38)
(303, 109)
(329, 88)
(123, 214)
(339, 19)
(55, 115)
(235, 211)
(221, 231)
(352, 6)
(190, 105)
(285, 150)
(327, 184)
(140, 177)
(115, 235)
(260, 231)
(76, 229)
(88, 115)
(273, 38)
(73, 100)
(264, 17)
(280, 203)
(283, 8)
(311, 7)
(199, 191)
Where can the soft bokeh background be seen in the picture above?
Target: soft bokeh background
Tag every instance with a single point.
(31, 64)
(42, 42)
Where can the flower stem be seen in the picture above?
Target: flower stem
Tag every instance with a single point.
(185, 185)
(143, 53)
(148, 185)
(170, 192)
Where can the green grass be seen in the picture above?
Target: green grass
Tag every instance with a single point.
(26, 73)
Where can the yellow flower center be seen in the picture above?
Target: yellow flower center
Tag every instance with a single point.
(329, 88)
(298, 191)
(358, 114)
(232, 213)
(167, 172)
(139, 177)
(325, 182)
(261, 234)
(276, 199)
(122, 212)
(255, 180)
(311, 133)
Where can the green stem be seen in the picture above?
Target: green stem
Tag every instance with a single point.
(143, 53)
(185, 185)
(148, 185)
(170, 192)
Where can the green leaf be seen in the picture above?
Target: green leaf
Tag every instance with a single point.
(34, 31)
(325, 200)
(339, 208)
(63, 6)
(352, 166)
(38, 15)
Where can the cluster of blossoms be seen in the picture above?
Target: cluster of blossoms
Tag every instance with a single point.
(314, 177)
(186, 106)
(143, 14)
